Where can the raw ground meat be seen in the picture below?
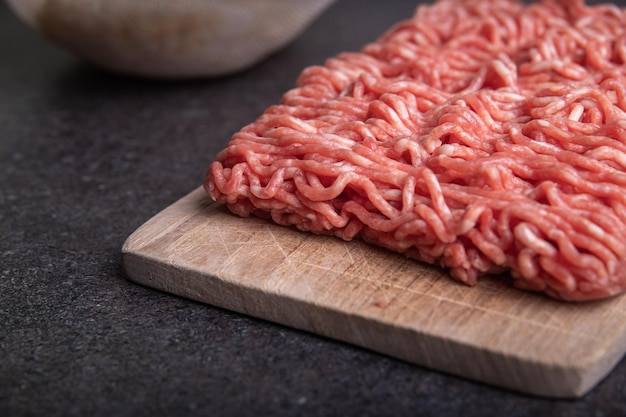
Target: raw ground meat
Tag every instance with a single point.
(481, 135)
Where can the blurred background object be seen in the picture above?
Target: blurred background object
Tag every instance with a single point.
(170, 39)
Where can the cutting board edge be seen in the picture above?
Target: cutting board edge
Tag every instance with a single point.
(158, 221)
(581, 378)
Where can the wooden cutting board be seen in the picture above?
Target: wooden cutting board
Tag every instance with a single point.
(382, 301)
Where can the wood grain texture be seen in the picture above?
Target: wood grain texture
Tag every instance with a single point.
(378, 300)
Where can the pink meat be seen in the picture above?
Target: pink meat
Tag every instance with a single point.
(482, 136)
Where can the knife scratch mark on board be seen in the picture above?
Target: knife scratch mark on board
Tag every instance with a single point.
(619, 310)
(278, 245)
(349, 252)
(221, 235)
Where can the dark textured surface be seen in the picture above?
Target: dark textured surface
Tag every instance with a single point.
(85, 158)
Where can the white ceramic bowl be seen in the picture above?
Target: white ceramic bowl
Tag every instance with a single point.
(170, 38)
